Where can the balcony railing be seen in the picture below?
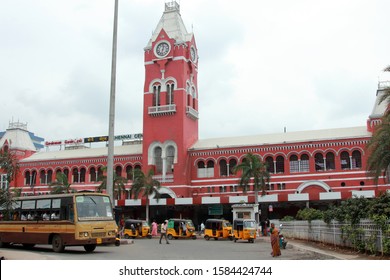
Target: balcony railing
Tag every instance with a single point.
(192, 113)
(168, 178)
(162, 110)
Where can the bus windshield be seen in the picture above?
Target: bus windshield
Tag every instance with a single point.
(93, 207)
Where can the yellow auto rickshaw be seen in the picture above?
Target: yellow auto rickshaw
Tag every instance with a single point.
(136, 228)
(244, 229)
(180, 228)
(218, 228)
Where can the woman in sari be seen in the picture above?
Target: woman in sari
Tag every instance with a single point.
(275, 241)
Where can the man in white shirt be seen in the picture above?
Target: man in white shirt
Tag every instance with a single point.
(163, 231)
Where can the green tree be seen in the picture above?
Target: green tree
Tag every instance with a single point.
(379, 146)
(118, 183)
(61, 184)
(9, 165)
(145, 186)
(253, 168)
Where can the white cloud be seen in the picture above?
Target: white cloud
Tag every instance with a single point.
(264, 65)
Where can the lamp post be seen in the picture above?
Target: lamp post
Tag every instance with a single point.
(111, 125)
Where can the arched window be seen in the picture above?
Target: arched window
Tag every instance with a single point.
(344, 159)
(92, 175)
(232, 164)
(280, 164)
(223, 168)
(156, 94)
(129, 172)
(27, 178)
(330, 164)
(304, 165)
(270, 164)
(118, 171)
(75, 175)
(82, 175)
(157, 159)
(193, 93)
(205, 170)
(42, 177)
(66, 172)
(33, 178)
(49, 177)
(356, 159)
(170, 158)
(99, 174)
(170, 95)
(294, 164)
(319, 161)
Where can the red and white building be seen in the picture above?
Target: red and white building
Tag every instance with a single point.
(313, 168)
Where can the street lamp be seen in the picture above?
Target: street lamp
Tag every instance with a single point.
(111, 125)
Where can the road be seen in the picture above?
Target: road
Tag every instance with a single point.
(180, 249)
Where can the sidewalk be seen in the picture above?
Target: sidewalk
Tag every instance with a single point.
(321, 249)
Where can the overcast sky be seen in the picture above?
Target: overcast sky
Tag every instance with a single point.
(263, 65)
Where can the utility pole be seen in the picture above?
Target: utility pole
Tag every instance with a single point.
(111, 125)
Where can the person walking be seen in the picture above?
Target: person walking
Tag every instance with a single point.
(275, 241)
(163, 231)
(154, 228)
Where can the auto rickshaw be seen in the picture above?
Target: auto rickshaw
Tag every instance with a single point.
(136, 228)
(180, 228)
(244, 229)
(218, 228)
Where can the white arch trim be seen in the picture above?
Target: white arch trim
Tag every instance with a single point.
(165, 190)
(313, 183)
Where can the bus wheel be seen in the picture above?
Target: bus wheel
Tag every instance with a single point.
(90, 247)
(170, 236)
(28, 245)
(57, 244)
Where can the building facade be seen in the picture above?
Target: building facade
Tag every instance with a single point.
(308, 168)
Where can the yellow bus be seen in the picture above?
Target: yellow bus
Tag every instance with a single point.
(74, 219)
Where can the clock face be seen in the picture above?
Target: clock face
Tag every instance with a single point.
(193, 54)
(162, 49)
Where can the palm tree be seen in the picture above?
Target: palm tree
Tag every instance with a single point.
(61, 184)
(118, 183)
(378, 147)
(253, 167)
(145, 185)
(10, 166)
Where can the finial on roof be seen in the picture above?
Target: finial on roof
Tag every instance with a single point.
(172, 6)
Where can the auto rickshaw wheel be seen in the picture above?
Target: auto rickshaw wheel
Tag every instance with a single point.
(149, 236)
(231, 238)
(193, 237)
(215, 238)
(170, 236)
(207, 237)
(127, 236)
(235, 239)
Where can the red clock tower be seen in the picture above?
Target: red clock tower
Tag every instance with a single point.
(170, 116)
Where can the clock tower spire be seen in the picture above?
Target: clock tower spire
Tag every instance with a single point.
(170, 116)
